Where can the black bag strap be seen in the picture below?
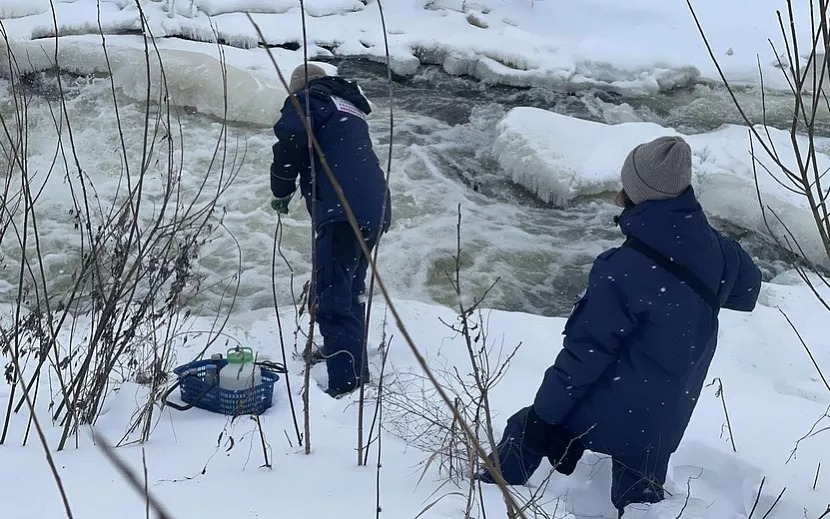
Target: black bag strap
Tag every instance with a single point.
(678, 271)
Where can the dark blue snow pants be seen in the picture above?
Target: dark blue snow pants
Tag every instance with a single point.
(636, 477)
(341, 280)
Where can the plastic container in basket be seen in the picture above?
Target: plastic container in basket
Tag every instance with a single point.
(198, 391)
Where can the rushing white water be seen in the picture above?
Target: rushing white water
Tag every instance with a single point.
(441, 160)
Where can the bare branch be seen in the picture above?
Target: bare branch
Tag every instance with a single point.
(806, 348)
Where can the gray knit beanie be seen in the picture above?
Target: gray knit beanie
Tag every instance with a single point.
(298, 77)
(657, 170)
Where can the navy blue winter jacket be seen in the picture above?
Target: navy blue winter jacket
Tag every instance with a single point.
(639, 342)
(337, 113)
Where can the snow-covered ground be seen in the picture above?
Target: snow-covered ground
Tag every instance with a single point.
(201, 465)
(638, 47)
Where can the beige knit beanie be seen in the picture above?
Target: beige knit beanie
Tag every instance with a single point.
(298, 77)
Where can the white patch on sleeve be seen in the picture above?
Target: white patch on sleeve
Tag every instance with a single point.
(349, 108)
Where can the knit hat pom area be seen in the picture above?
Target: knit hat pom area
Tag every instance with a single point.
(657, 170)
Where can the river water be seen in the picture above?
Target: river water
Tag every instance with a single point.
(537, 255)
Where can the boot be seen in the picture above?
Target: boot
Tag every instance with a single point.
(316, 356)
(338, 393)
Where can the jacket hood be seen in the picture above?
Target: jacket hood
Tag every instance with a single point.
(677, 227)
(337, 86)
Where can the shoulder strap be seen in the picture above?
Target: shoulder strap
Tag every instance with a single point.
(677, 271)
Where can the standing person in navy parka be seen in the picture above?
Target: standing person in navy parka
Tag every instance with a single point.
(337, 114)
(639, 341)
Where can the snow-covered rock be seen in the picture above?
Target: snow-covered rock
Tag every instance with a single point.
(561, 158)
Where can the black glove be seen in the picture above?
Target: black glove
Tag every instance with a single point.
(538, 434)
(280, 205)
(564, 456)
(554, 442)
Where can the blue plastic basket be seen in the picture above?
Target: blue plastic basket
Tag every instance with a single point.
(199, 393)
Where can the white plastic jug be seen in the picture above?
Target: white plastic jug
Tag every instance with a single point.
(240, 372)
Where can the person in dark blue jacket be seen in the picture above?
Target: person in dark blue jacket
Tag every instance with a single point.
(639, 341)
(337, 113)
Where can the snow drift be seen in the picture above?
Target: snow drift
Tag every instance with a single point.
(773, 392)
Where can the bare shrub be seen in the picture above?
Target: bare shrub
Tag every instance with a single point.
(807, 75)
(417, 415)
(133, 256)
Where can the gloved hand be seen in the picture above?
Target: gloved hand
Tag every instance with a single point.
(280, 205)
(538, 434)
(522, 446)
(565, 454)
(526, 440)
(552, 441)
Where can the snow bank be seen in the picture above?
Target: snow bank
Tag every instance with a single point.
(20, 8)
(635, 48)
(773, 391)
(214, 7)
(561, 158)
(194, 77)
(196, 80)
(313, 7)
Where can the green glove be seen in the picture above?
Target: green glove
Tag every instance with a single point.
(280, 205)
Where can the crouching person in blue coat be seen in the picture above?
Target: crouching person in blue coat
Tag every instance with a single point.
(337, 113)
(639, 342)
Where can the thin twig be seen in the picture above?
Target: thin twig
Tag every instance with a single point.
(728, 85)
(312, 291)
(720, 394)
(813, 431)
(267, 463)
(146, 483)
(380, 426)
(807, 348)
(277, 241)
(757, 498)
(384, 205)
(818, 471)
(375, 416)
(775, 503)
(688, 493)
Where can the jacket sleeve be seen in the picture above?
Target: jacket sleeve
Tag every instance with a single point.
(291, 154)
(747, 286)
(594, 334)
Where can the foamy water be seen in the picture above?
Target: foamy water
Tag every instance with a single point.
(537, 256)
